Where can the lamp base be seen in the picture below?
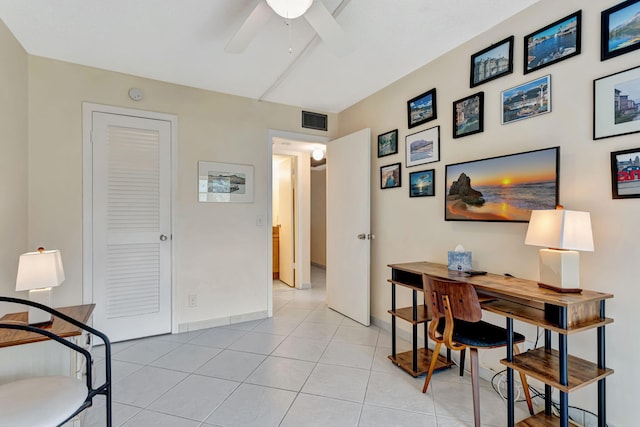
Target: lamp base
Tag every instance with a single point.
(42, 296)
(559, 289)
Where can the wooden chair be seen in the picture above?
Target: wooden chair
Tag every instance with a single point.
(45, 401)
(457, 323)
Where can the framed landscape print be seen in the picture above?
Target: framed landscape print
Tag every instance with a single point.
(504, 188)
(422, 184)
(620, 29)
(615, 111)
(390, 176)
(492, 62)
(625, 174)
(468, 115)
(530, 99)
(423, 147)
(421, 109)
(553, 43)
(388, 143)
(225, 182)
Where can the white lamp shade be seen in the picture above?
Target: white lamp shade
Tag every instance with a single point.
(290, 9)
(317, 154)
(39, 270)
(560, 229)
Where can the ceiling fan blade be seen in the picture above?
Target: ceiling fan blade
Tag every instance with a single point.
(328, 29)
(250, 27)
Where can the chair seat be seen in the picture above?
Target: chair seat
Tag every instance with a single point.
(40, 401)
(479, 334)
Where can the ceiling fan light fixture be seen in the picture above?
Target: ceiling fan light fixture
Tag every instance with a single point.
(290, 9)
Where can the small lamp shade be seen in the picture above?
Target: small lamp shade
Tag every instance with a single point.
(560, 229)
(38, 272)
(290, 9)
(564, 233)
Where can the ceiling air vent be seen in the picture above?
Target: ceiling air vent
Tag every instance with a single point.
(314, 120)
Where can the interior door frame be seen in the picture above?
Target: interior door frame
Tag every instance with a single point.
(294, 136)
(88, 109)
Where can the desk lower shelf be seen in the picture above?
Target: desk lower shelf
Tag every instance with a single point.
(544, 366)
(405, 361)
(540, 420)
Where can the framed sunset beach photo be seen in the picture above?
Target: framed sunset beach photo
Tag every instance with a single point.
(502, 189)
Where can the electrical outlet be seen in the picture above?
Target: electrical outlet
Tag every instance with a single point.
(193, 300)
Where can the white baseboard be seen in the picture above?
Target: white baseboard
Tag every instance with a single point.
(221, 321)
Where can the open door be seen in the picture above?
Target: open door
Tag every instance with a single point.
(348, 225)
(286, 221)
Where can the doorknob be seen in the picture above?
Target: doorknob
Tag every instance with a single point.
(163, 237)
(362, 236)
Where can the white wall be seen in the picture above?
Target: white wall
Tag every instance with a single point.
(220, 251)
(412, 229)
(13, 159)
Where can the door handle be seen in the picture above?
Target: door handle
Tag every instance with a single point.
(163, 237)
(362, 236)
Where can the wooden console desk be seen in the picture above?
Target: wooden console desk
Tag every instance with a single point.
(514, 298)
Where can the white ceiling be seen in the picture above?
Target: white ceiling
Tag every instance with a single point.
(182, 41)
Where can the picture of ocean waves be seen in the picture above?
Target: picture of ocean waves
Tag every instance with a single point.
(536, 195)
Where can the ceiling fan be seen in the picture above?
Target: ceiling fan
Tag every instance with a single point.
(314, 11)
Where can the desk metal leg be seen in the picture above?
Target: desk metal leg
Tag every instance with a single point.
(393, 321)
(564, 370)
(414, 360)
(510, 387)
(547, 388)
(602, 385)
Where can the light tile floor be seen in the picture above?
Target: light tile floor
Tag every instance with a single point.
(306, 366)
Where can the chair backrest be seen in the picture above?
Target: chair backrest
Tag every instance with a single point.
(462, 299)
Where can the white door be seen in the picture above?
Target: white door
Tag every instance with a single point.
(131, 225)
(286, 220)
(348, 225)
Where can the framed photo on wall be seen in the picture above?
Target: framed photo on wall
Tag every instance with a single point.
(619, 29)
(625, 174)
(527, 100)
(492, 62)
(468, 115)
(422, 183)
(423, 147)
(553, 43)
(225, 182)
(502, 189)
(615, 111)
(421, 109)
(388, 143)
(390, 176)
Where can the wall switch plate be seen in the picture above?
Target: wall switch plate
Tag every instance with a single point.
(193, 300)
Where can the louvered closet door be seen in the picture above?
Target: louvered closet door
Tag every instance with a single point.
(131, 226)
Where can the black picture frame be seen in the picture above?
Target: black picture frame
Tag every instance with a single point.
(468, 115)
(615, 112)
(422, 183)
(390, 176)
(618, 33)
(625, 174)
(556, 42)
(388, 143)
(490, 63)
(503, 188)
(422, 108)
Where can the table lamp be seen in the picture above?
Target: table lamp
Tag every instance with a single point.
(563, 233)
(38, 272)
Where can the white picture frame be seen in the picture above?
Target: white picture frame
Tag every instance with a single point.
(423, 147)
(225, 182)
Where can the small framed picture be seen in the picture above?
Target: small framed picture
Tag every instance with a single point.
(492, 62)
(422, 184)
(619, 29)
(553, 43)
(390, 176)
(615, 111)
(527, 100)
(468, 115)
(423, 147)
(388, 143)
(625, 174)
(421, 109)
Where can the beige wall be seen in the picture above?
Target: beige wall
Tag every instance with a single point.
(319, 217)
(413, 229)
(220, 251)
(13, 158)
